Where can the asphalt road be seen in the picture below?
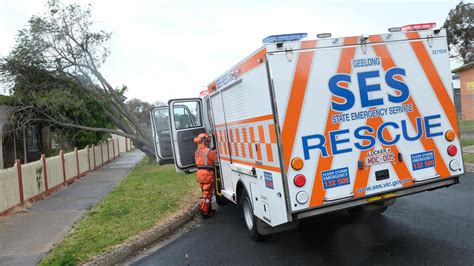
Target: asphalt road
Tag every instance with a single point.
(430, 228)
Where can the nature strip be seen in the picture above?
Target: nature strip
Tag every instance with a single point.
(146, 239)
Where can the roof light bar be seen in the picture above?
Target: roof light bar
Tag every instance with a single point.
(284, 38)
(420, 26)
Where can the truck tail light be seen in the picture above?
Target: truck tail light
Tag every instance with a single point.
(454, 165)
(302, 197)
(297, 163)
(452, 150)
(450, 135)
(299, 180)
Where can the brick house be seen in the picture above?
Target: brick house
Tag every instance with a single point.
(26, 143)
(466, 80)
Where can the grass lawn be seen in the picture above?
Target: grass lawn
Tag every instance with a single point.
(469, 158)
(467, 142)
(149, 193)
(466, 124)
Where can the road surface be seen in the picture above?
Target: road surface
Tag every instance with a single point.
(428, 228)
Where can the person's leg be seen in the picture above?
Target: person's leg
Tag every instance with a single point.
(202, 178)
(207, 197)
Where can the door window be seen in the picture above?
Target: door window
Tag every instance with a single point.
(187, 115)
(161, 118)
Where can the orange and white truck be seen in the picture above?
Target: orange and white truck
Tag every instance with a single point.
(307, 127)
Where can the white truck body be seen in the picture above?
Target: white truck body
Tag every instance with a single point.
(368, 117)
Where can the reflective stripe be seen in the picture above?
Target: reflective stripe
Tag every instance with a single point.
(205, 157)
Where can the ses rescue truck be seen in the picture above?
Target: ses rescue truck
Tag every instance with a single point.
(307, 127)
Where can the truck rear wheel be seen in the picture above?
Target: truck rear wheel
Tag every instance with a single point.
(249, 217)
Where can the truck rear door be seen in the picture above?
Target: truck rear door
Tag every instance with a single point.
(366, 115)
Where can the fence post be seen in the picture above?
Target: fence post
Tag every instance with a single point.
(93, 155)
(45, 173)
(108, 151)
(77, 161)
(88, 157)
(118, 147)
(20, 180)
(61, 155)
(113, 148)
(102, 153)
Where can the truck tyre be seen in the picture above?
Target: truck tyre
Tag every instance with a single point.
(249, 217)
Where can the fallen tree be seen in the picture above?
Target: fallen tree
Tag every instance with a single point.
(62, 44)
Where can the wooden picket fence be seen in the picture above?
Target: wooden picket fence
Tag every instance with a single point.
(24, 183)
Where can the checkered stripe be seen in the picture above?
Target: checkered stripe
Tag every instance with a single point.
(248, 142)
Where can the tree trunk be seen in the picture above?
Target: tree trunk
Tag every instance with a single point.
(147, 149)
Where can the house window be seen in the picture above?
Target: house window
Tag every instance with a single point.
(32, 138)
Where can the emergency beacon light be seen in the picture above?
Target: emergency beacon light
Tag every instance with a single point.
(284, 38)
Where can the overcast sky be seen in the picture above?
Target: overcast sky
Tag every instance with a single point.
(171, 49)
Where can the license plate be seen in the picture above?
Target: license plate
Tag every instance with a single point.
(379, 157)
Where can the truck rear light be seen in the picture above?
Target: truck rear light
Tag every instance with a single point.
(450, 135)
(299, 180)
(302, 197)
(454, 165)
(297, 163)
(452, 150)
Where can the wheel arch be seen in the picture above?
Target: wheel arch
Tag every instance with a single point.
(240, 187)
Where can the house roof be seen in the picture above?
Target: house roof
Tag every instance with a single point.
(463, 67)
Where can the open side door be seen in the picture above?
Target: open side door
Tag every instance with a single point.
(160, 124)
(186, 122)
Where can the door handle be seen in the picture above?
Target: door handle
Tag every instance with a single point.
(254, 172)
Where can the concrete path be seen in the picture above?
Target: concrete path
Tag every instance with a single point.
(468, 149)
(27, 237)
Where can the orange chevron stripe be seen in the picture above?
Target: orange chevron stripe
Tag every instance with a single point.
(324, 163)
(295, 101)
(434, 79)
(428, 144)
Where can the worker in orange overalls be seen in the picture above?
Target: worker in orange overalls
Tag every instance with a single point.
(205, 160)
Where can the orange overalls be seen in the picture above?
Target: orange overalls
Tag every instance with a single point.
(205, 159)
